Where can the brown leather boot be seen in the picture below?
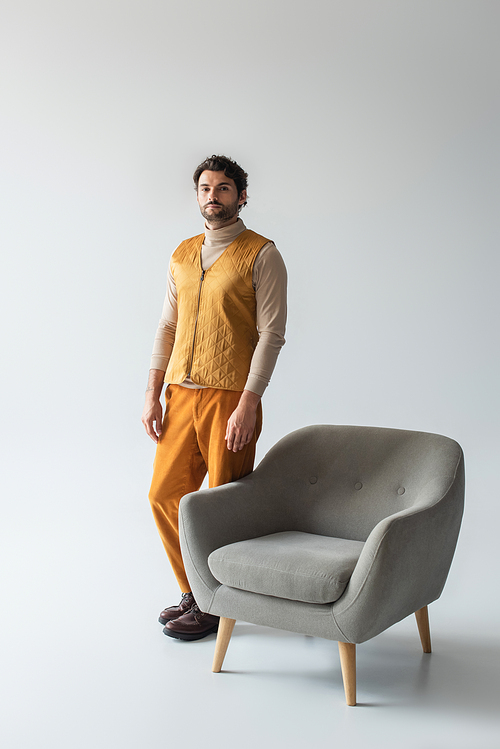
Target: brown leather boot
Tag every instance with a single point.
(173, 612)
(194, 625)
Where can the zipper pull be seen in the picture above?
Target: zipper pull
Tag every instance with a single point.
(202, 275)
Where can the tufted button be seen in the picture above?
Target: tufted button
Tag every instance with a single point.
(312, 479)
(358, 485)
(401, 490)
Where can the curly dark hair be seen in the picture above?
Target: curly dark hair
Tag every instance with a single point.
(224, 164)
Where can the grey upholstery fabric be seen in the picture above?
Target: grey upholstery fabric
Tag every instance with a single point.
(299, 566)
(400, 493)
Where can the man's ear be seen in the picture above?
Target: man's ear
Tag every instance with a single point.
(243, 197)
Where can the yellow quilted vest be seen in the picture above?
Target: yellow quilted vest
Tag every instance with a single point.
(216, 332)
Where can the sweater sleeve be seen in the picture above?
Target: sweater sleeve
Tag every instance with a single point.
(165, 333)
(270, 283)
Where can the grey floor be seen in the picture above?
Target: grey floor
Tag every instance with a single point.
(85, 664)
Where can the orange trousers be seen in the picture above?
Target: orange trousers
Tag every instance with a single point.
(192, 443)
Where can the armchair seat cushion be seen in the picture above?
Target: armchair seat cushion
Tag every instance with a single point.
(294, 565)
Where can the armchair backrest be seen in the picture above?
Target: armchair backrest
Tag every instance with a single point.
(342, 480)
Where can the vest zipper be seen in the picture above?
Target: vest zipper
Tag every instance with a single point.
(196, 322)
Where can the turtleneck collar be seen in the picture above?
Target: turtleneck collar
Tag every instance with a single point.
(224, 236)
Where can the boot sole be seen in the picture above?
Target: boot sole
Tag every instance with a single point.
(188, 636)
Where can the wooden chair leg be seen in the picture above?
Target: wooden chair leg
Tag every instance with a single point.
(422, 617)
(347, 651)
(224, 633)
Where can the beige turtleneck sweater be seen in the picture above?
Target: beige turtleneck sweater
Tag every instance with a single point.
(269, 281)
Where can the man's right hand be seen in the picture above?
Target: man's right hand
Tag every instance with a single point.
(152, 414)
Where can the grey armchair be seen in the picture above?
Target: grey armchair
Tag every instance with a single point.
(340, 532)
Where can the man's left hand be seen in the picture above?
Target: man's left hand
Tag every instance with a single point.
(241, 423)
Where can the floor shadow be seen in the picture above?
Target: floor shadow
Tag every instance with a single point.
(460, 675)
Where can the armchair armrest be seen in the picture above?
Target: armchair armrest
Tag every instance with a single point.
(404, 564)
(211, 518)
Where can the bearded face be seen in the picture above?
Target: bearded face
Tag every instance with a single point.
(218, 199)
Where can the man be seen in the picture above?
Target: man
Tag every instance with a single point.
(219, 336)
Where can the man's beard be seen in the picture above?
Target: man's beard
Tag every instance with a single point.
(223, 213)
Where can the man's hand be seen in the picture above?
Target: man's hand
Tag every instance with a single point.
(241, 423)
(153, 412)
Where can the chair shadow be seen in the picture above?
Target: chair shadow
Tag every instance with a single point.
(460, 675)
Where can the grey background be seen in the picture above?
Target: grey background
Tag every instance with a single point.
(370, 133)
